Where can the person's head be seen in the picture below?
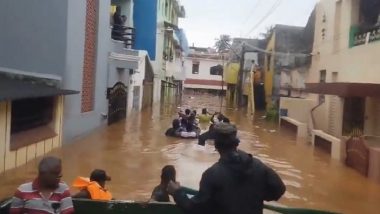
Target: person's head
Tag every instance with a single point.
(226, 120)
(225, 137)
(191, 117)
(176, 124)
(50, 172)
(195, 112)
(204, 111)
(220, 117)
(187, 111)
(168, 174)
(118, 10)
(100, 176)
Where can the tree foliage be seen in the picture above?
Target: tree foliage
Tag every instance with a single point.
(223, 43)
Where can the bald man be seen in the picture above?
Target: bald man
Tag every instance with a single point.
(46, 194)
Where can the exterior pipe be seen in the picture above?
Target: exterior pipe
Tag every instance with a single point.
(313, 109)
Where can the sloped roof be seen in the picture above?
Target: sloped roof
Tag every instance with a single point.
(15, 89)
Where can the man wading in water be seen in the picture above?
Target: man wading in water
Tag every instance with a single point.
(237, 183)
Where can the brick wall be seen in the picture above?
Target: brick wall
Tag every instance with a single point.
(89, 65)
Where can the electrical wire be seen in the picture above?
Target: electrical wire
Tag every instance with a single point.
(252, 11)
(270, 11)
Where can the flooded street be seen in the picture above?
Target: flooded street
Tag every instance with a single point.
(134, 152)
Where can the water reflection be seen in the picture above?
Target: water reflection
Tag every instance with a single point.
(134, 152)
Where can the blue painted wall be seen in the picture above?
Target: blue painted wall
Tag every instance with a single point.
(145, 23)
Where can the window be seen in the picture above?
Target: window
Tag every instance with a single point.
(322, 76)
(334, 77)
(322, 79)
(338, 20)
(31, 113)
(31, 121)
(369, 12)
(195, 67)
(216, 70)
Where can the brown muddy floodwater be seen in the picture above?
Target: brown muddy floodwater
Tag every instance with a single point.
(133, 153)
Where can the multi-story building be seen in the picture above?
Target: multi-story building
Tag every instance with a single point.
(345, 86)
(56, 45)
(204, 70)
(292, 80)
(168, 45)
(285, 50)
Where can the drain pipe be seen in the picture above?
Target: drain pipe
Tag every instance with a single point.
(313, 109)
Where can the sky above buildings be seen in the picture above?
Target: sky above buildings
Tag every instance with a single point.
(207, 19)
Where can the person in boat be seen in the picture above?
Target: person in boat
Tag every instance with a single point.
(237, 183)
(191, 123)
(186, 114)
(46, 194)
(215, 119)
(179, 130)
(93, 187)
(175, 130)
(205, 116)
(160, 193)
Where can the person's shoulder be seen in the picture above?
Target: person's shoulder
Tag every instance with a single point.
(62, 187)
(26, 187)
(157, 188)
(212, 170)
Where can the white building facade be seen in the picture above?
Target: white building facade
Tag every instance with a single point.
(198, 67)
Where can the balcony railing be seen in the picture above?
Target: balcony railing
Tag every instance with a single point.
(125, 34)
(364, 36)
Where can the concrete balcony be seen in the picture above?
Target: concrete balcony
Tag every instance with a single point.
(119, 47)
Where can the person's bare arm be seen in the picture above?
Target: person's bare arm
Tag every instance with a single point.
(82, 194)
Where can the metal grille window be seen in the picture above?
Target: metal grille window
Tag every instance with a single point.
(195, 68)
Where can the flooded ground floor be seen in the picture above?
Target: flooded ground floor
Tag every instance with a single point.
(133, 153)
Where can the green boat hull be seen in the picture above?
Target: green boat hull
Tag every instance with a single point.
(83, 206)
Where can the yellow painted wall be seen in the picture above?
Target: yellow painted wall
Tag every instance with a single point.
(3, 119)
(231, 73)
(11, 159)
(269, 71)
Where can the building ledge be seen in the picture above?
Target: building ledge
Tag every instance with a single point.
(344, 89)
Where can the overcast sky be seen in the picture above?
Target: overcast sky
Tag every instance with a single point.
(207, 19)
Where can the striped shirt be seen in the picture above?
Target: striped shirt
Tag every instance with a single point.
(29, 199)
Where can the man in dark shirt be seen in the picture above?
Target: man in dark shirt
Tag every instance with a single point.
(237, 183)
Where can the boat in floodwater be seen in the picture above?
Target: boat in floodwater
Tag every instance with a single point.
(85, 206)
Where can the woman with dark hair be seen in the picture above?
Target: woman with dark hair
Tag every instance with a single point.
(160, 193)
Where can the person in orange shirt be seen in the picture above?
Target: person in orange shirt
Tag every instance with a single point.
(93, 187)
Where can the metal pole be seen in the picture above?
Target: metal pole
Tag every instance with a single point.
(240, 78)
(221, 93)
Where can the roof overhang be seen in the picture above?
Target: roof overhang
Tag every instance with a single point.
(130, 61)
(344, 89)
(16, 89)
